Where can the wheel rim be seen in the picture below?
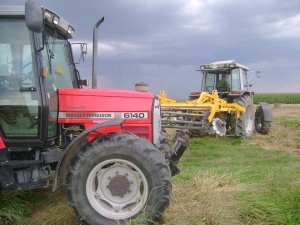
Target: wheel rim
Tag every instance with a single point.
(117, 189)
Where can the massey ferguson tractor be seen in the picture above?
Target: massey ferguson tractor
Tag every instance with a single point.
(105, 146)
(223, 107)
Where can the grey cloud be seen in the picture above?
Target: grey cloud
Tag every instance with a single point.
(164, 42)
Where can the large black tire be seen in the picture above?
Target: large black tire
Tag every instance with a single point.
(116, 178)
(243, 126)
(261, 126)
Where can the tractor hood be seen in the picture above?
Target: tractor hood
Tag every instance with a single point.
(97, 105)
(91, 106)
(106, 92)
(92, 100)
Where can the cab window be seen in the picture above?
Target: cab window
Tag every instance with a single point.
(20, 104)
(235, 80)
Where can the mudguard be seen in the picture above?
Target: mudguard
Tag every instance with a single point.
(267, 111)
(73, 148)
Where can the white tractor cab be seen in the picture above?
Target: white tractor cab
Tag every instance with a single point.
(227, 77)
(231, 80)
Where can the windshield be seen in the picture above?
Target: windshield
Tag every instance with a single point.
(58, 60)
(216, 80)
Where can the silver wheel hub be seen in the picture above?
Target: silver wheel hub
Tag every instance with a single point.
(117, 189)
(119, 185)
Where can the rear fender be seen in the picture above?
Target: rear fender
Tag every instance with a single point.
(267, 111)
(73, 148)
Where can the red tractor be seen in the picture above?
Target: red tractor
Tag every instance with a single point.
(105, 146)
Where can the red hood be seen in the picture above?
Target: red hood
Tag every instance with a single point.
(107, 93)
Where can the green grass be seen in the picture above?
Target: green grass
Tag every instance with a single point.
(14, 206)
(286, 98)
(271, 178)
(290, 122)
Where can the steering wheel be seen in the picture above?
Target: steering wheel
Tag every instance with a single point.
(209, 88)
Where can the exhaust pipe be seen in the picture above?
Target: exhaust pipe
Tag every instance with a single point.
(95, 53)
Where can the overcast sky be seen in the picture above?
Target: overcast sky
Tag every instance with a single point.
(163, 42)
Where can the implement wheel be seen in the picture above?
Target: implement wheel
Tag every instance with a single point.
(116, 178)
(244, 126)
(261, 126)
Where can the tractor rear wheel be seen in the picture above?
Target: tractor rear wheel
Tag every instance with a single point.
(116, 178)
(244, 126)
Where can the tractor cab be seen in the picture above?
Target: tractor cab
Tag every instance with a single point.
(227, 77)
(33, 66)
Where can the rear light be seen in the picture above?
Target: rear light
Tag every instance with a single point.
(141, 131)
(2, 145)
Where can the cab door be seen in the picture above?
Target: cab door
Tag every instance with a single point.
(20, 99)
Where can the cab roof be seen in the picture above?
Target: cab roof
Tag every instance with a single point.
(221, 65)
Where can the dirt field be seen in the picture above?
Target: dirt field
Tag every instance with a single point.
(287, 110)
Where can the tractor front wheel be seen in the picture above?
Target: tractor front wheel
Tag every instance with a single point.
(115, 179)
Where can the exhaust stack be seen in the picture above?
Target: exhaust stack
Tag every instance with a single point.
(95, 52)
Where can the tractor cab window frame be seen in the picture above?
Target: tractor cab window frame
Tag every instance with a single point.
(58, 62)
(235, 79)
(244, 81)
(209, 81)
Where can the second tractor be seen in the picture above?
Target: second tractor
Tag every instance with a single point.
(224, 106)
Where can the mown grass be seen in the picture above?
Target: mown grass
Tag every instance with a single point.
(14, 207)
(270, 180)
(271, 98)
(290, 122)
(223, 181)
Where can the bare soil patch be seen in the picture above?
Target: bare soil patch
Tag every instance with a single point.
(291, 110)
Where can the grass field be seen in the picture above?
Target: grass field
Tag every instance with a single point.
(286, 98)
(223, 181)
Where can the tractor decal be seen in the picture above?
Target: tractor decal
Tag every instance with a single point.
(103, 115)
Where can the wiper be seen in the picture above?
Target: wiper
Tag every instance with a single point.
(50, 54)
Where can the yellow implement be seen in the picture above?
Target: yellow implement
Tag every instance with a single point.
(198, 114)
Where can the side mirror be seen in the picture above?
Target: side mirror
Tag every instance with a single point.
(83, 51)
(258, 74)
(33, 16)
(84, 82)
